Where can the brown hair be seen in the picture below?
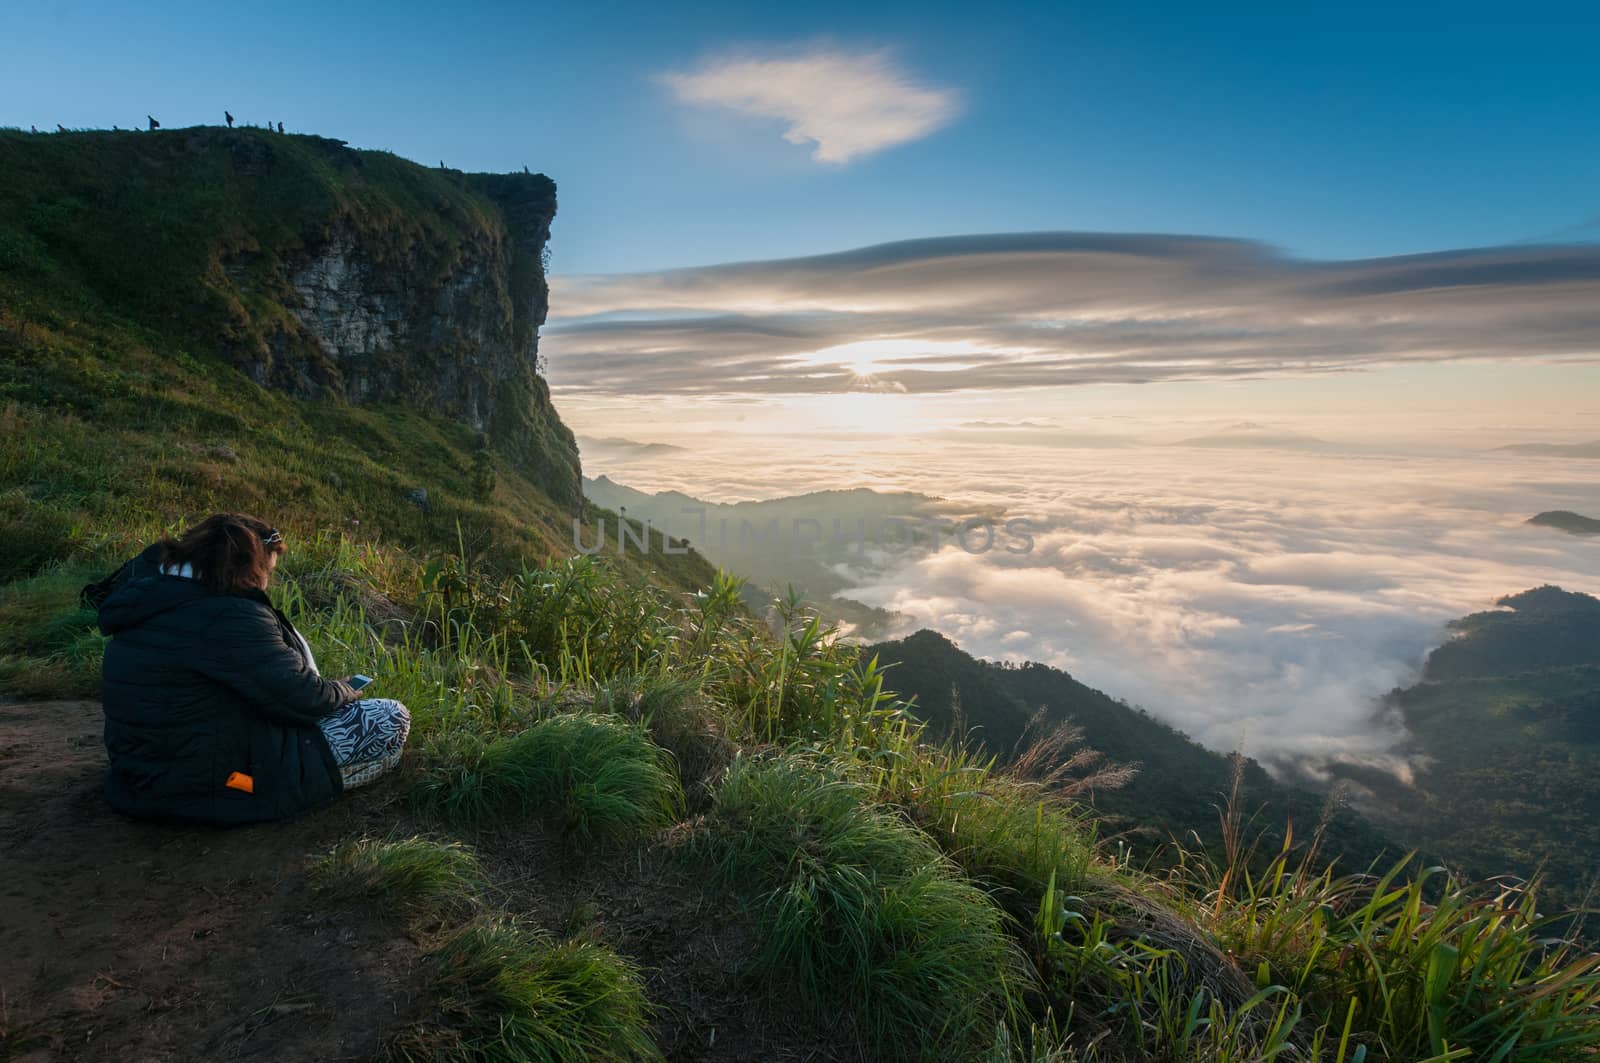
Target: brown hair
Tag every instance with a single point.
(228, 551)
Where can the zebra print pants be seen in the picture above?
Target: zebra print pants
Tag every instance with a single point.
(367, 737)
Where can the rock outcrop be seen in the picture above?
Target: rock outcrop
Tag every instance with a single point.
(326, 272)
(447, 320)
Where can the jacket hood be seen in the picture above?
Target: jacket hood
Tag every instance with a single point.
(145, 595)
(142, 591)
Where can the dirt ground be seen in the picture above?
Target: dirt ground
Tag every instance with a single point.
(134, 942)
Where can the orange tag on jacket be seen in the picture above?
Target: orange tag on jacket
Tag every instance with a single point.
(240, 781)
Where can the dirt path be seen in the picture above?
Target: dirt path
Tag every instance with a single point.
(132, 941)
(144, 943)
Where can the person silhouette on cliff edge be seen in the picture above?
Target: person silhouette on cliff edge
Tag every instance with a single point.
(153, 123)
(229, 116)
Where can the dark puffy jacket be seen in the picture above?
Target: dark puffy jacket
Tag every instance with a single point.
(198, 687)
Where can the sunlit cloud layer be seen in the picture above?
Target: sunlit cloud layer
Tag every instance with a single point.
(1255, 547)
(1050, 309)
(846, 104)
(1260, 600)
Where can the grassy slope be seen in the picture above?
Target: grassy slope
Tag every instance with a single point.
(112, 434)
(140, 223)
(120, 419)
(110, 437)
(120, 414)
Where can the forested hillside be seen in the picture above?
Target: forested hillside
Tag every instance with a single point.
(1508, 721)
(1178, 788)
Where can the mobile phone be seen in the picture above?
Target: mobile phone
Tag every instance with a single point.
(358, 682)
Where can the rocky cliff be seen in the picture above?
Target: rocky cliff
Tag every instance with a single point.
(314, 268)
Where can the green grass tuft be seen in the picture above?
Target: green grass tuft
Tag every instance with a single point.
(426, 880)
(1000, 827)
(601, 778)
(508, 995)
(860, 911)
(49, 645)
(680, 719)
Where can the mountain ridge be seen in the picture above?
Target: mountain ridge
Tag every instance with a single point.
(1180, 785)
(318, 270)
(1590, 449)
(1567, 521)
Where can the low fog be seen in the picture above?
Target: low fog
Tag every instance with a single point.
(1257, 599)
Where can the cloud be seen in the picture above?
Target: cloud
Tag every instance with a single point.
(1270, 624)
(847, 104)
(1256, 599)
(1031, 310)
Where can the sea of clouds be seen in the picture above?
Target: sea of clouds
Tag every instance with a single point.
(1257, 598)
(1256, 586)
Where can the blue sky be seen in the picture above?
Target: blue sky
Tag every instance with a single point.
(1327, 133)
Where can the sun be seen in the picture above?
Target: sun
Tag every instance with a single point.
(869, 358)
(862, 357)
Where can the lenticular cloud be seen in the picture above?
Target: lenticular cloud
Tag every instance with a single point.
(1050, 309)
(846, 104)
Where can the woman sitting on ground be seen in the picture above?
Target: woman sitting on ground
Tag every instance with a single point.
(214, 708)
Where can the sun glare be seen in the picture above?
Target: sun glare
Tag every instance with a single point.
(869, 358)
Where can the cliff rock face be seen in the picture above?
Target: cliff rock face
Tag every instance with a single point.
(380, 314)
(445, 326)
(322, 271)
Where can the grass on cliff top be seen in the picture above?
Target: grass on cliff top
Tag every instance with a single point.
(188, 240)
(75, 206)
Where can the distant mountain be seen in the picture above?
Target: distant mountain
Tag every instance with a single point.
(618, 447)
(1540, 629)
(1590, 449)
(1248, 435)
(1033, 434)
(1180, 783)
(1508, 721)
(814, 542)
(1002, 425)
(1567, 521)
